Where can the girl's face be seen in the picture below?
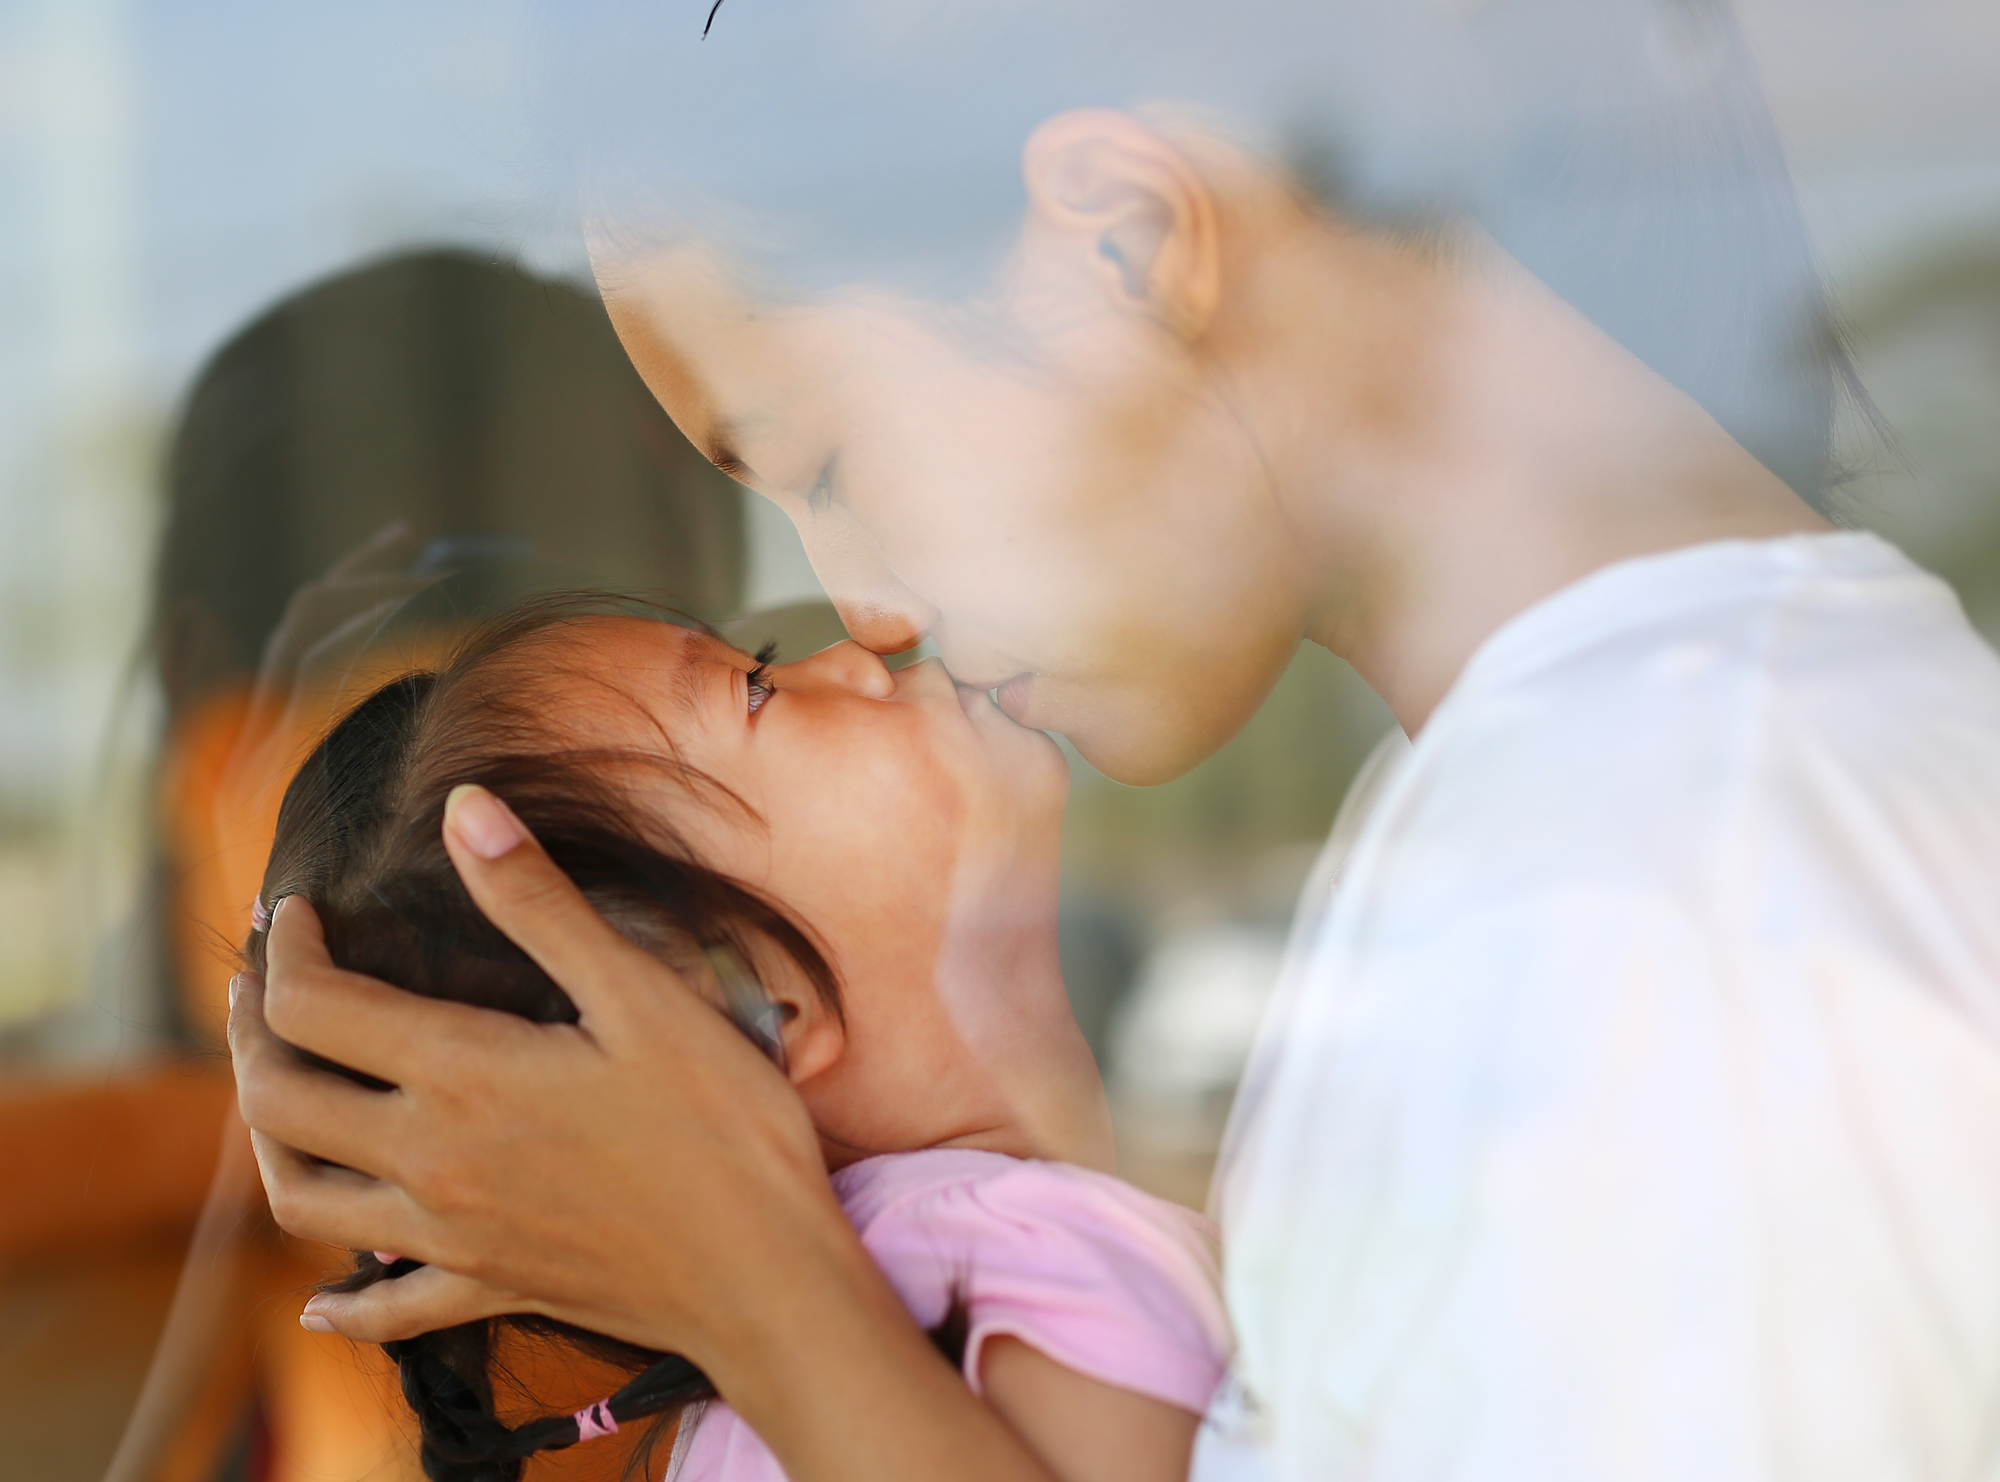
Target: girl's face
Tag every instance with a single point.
(914, 829)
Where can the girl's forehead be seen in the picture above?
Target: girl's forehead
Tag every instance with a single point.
(647, 659)
(616, 637)
(616, 680)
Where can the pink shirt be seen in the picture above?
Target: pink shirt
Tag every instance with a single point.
(1112, 1283)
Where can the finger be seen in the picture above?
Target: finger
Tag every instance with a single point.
(391, 546)
(542, 912)
(386, 554)
(302, 1106)
(385, 596)
(421, 1302)
(336, 1206)
(325, 625)
(358, 1021)
(320, 609)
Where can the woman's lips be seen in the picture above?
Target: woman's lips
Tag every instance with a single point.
(1014, 696)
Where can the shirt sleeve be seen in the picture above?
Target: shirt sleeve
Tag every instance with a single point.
(1109, 1282)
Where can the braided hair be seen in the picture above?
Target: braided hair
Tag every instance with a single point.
(359, 833)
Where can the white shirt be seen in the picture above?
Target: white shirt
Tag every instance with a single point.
(1631, 1106)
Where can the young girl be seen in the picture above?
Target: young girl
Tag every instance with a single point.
(859, 867)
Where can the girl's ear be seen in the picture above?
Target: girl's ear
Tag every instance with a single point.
(815, 1039)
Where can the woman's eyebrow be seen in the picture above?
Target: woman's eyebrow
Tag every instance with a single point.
(714, 436)
(719, 446)
(721, 451)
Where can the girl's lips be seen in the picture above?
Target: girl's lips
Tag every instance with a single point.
(1014, 696)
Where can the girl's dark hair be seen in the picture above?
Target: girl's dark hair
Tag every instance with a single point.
(359, 833)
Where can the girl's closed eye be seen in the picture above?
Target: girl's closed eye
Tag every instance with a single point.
(758, 680)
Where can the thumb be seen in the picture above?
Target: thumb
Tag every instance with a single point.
(423, 1301)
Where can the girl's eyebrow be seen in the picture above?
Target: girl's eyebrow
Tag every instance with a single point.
(702, 653)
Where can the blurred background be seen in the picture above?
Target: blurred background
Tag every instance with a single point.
(266, 289)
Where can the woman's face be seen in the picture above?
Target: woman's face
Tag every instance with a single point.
(1062, 498)
(904, 820)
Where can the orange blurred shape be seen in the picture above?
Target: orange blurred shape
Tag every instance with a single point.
(331, 1409)
(216, 830)
(224, 773)
(100, 1164)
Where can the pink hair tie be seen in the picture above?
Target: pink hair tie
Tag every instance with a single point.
(595, 1420)
(260, 914)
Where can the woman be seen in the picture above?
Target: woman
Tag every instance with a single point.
(1630, 1109)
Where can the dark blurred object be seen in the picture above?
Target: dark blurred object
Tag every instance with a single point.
(491, 416)
(492, 412)
(1100, 946)
(446, 418)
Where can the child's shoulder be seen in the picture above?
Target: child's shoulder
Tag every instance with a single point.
(1100, 1276)
(965, 1183)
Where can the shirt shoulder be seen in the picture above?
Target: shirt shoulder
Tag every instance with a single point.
(1813, 724)
(1646, 1063)
(1103, 1278)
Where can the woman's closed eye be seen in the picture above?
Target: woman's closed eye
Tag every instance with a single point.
(820, 497)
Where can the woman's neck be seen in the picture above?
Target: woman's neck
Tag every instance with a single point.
(1452, 443)
(1000, 979)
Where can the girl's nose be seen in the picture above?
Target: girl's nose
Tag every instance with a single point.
(847, 666)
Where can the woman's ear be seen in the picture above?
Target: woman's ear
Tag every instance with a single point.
(1122, 204)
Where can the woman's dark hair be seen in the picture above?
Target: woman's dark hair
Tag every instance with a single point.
(359, 833)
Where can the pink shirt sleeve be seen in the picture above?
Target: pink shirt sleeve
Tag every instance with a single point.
(1105, 1280)
(1112, 1283)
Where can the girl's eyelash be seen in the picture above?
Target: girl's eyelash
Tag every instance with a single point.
(822, 491)
(758, 680)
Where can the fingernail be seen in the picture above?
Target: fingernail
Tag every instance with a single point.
(235, 987)
(386, 1257)
(312, 1322)
(483, 823)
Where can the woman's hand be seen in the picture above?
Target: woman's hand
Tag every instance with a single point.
(643, 1173)
(422, 1301)
(621, 1173)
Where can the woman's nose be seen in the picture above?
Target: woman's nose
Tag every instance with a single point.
(881, 613)
(847, 667)
(884, 627)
